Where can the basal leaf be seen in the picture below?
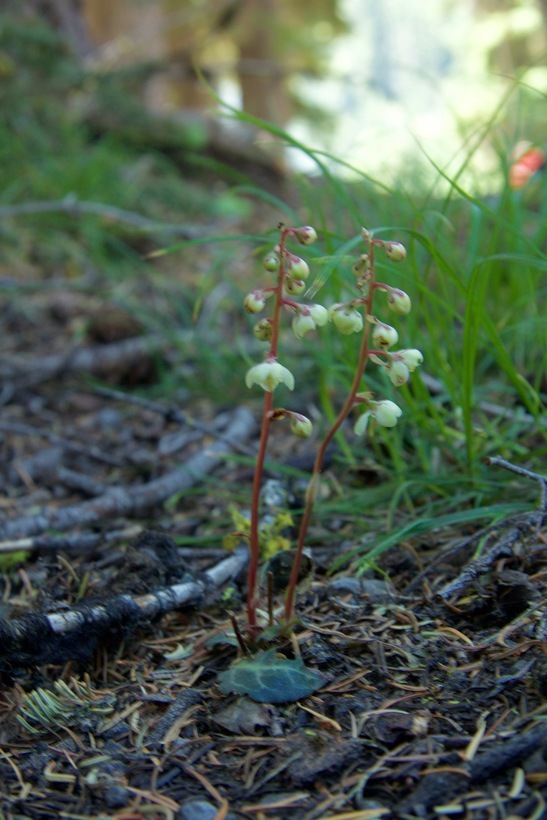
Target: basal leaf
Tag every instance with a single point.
(267, 678)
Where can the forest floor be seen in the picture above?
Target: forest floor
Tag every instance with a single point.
(433, 703)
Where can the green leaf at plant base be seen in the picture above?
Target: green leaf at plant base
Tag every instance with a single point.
(268, 678)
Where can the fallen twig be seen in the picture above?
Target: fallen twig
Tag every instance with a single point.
(100, 360)
(514, 527)
(74, 633)
(130, 500)
(80, 541)
(171, 413)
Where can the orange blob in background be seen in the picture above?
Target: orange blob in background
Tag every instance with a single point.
(527, 159)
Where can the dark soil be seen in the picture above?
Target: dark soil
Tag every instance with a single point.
(434, 697)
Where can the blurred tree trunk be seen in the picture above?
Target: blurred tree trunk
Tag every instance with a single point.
(262, 76)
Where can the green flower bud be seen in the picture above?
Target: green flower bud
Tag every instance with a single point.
(297, 268)
(294, 286)
(395, 251)
(254, 302)
(384, 336)
(271, 261)
(346, 319)
(301, 426)
(306, 235)
(399, 302)
(263, 330)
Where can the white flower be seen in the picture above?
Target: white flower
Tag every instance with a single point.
(361, 424)
(268, 375)
(319, 314)
(301, 425)
(346, 319)
(308, 317)
(398, 372)
(384, 336)
(411, 357)
(302, 324)
(385, 412)
(399, 301)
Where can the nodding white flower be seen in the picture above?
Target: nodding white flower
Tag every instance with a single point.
(398, 372)
(302, 324)
(361, 424)
(346, 319)
(411, 357)
(268, 375)
(395, 251)
(385, 412)
(307, 319)
(254, 302)
(301, 425)
(319, 314)
(384, 336)
(294, 286)
(296, 268)
(306, 235)
(399, 302)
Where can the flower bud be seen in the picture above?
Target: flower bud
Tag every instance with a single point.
(306, 235)
(254, 302)
(384, 336)
(271, 261)
(294, 286)
(296, 268)
(395, 251)
(386, 412)
(346, 319)
(362, 265)
(399, 301)
(263, 330)
(398, 372)
(301, 426)
(411, 357)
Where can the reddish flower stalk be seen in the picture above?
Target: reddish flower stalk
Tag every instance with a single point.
(313, 486)
(267, 408)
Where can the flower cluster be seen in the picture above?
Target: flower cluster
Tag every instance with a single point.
(377, 340)
(352, 317)
(292, 272)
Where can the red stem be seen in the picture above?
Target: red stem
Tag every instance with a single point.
(254, 540)
(313, 486)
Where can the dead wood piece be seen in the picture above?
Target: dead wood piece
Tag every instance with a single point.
(81, 542)
(132, 500)
(74, 634)
(438, 788)
(183, 701)
(100, 360)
